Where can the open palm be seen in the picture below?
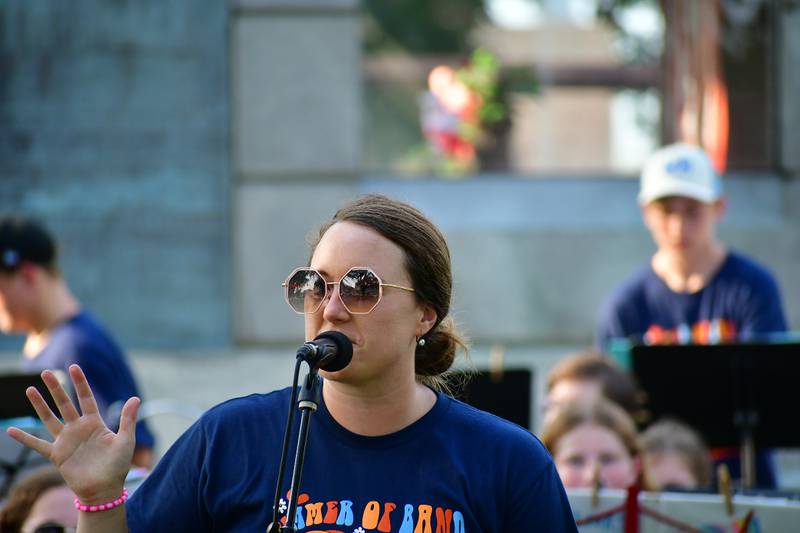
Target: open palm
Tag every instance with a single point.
(92, 459)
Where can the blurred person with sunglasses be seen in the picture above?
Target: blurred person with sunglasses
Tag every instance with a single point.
(36, 301)
(674, 457)
(389, 451)
(694, 289)
(40, 502)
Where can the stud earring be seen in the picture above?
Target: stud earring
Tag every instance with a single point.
(421, 342)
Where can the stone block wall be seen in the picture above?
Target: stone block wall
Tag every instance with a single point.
(114, 131)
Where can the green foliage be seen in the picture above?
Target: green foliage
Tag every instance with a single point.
(482, 75)
(421, 26)
(485, 76)
(636, 48)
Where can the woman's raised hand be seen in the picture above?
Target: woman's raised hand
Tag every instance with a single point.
(92, 459)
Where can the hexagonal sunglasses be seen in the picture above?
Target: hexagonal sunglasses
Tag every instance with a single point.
(360, 290)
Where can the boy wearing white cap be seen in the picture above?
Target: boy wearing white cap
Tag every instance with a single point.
(694, 290)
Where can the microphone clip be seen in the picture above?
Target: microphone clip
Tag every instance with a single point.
(330, 350)
(308, 351)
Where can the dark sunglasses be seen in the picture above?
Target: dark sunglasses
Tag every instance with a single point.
(54, 527)
(360, 290)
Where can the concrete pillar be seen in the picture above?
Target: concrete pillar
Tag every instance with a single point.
(789, 76)
(296, 124)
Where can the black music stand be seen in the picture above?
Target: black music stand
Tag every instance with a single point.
(14, 403)
(15, 409)
(733, 394)
(506, 394)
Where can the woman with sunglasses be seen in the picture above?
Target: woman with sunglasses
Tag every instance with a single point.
(388, 452)
(40, 502)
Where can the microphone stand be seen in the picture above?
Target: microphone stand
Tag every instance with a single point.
(331, 350)
(309, 399)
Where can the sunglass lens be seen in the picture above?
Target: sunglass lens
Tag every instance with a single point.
(360, 290)
(50, 528)
(305, 291)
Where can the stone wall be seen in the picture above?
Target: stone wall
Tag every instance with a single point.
(114, 131)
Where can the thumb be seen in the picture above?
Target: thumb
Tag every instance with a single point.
(127, 418)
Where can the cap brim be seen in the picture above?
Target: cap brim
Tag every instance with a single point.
(678, 188)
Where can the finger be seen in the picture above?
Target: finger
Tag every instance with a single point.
(45, 414)
(64, 404)
(35, 443)
(83, 391)
(127, 419)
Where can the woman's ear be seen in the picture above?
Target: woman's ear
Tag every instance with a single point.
(426, 320)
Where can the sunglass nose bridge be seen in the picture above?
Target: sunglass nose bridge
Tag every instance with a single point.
(331, 288)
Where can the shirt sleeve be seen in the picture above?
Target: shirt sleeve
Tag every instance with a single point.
(610, 325)
(538, 501)
(764, 311)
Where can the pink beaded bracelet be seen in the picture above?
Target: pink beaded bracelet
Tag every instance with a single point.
(103, 506)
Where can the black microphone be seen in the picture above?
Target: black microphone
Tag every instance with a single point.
(330, 351)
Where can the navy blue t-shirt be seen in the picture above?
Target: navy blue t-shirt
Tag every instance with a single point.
(455, 470)
(741, 302)
(82, 340)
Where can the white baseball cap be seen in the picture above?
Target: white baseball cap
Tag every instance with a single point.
(679, 170)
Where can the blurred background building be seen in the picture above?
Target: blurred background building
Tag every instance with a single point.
(182, 150)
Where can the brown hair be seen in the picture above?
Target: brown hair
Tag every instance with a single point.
(670, 435)
(427, 261)
(23, 495)
(615, 383)
(601, 412)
